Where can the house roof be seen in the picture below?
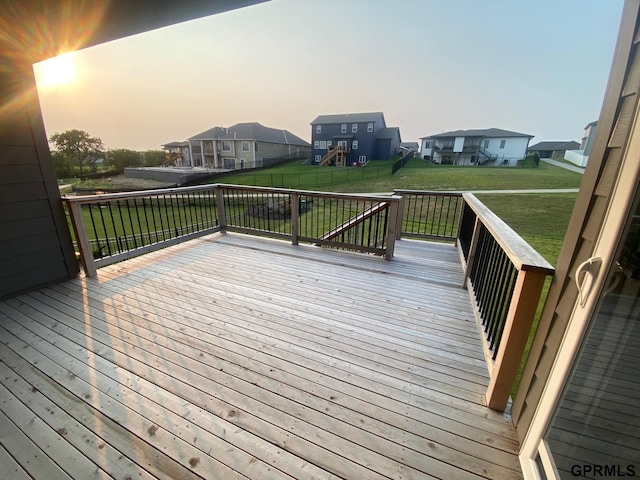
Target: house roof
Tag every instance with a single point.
(551, 146)
(486, 132)
(349, 118)
(175, 144)
(251, 131)
(388, 132)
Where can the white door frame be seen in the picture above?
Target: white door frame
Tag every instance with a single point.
(606, 246)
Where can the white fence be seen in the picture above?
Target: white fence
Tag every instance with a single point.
(577, 157)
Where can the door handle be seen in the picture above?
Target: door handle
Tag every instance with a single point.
(586, 275)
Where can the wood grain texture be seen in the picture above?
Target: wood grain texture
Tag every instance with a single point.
(238, 357)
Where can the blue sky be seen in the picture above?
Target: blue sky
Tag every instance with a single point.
(538, 67)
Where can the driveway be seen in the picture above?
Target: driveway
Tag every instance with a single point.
(566, 166)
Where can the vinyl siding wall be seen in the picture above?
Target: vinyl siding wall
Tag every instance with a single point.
(35, 244)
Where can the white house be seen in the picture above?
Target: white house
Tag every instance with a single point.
(475, 147)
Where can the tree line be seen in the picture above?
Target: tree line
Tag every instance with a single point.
(76, 153)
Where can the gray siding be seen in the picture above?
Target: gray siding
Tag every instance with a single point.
(35, 244)
(620, 105)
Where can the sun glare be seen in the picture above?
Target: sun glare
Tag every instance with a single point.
(55, 71)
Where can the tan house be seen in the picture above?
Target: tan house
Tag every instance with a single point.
(244, 145)
(84, 397)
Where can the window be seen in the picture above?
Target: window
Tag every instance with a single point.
(343, 128)
(255, 146)
(342, 143)
(362, 159)
(369, 127)
(486, 144)
(502, 142)
(229, 163)
(226, 146)
(323, 144)
(354, 128)
(316, 144)
(318, 158)
(328, 144)
(245, 146)
(318, 128)
(354, 145)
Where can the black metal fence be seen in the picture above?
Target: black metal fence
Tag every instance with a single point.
(402, 162)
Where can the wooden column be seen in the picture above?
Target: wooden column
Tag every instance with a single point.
(86, 254)
(222, 218)
(522, 309)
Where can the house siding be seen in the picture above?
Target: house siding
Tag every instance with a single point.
(332, 132)
(35, 244)
(619, 108)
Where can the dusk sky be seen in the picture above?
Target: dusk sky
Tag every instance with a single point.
(538, 67)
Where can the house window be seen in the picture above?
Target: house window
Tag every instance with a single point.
(354, 128)
(328, 144)
(362, 159)
(486, 144)
(323, 144)
(316, 144)
(343, 128)
(370, 127)
(245, 146)
(502, 142)
(318, 128)
(318, 158)
(226, 146)
(229, 163)
(354, 145)
(342, 143)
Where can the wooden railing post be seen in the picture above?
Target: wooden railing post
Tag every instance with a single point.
(86, 254)
(394, 213)
(522, 310)
(222, 218)
(294, 200)
(400, 217)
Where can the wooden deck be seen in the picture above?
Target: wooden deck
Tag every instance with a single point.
(238, 357)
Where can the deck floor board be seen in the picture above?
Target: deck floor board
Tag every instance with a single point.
(231, 356)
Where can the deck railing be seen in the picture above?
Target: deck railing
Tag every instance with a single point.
(503, 273)
(113, 227)
(429, 215)
(504, 276)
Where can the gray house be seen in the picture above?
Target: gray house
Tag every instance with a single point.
(244, 145)
(352, 139)
(553, 149)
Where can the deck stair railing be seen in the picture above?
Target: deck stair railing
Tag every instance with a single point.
(358, 225)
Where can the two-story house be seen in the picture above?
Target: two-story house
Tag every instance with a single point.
(475, 147)
(352, 139)
(244, 145)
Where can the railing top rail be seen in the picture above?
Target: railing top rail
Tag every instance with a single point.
(178, 190)
(427, 192)
(136, 194)
(523, 256)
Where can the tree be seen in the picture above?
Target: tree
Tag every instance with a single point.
(122, 158)
(62, 165)
(153, 158)
(79, 148)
